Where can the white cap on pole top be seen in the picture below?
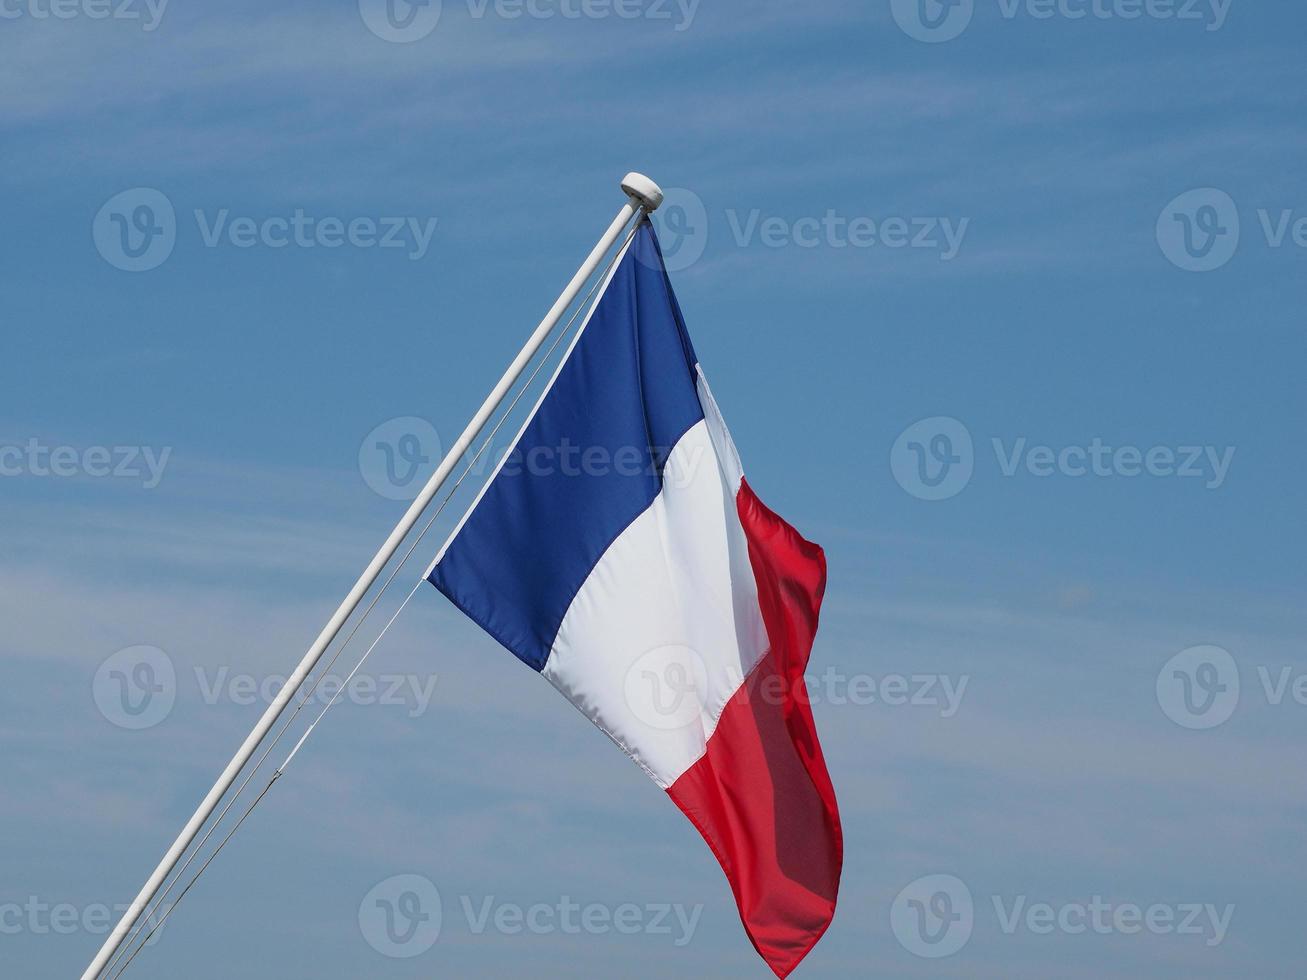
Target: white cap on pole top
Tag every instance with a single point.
(644, 190)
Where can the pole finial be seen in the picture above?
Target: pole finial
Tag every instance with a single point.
(644, 190)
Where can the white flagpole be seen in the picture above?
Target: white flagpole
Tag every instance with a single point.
(643, 196)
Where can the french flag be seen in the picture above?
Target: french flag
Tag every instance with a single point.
(618, 550)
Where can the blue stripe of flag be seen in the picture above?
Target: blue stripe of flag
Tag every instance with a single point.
(587, 464)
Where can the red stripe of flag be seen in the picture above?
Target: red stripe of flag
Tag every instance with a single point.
(761, 796)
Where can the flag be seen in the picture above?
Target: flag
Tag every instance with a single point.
(618, 550)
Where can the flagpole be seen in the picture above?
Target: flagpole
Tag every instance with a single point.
(643, 197)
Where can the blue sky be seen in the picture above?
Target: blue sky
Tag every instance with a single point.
(1073, 186)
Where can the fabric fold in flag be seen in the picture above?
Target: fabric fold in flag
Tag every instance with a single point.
(618, 550)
